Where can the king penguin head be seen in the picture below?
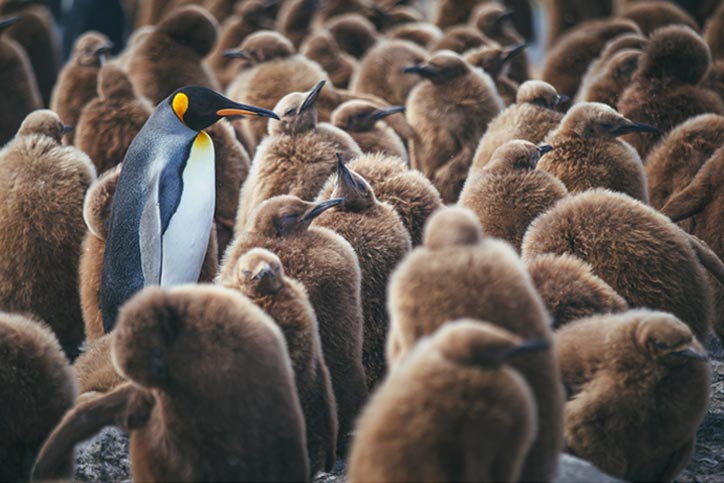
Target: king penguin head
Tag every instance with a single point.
(200, 107)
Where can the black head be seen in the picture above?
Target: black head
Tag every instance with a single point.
(200, 107)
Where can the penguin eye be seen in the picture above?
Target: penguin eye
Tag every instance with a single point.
(660, 345)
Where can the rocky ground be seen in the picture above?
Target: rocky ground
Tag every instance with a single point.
(105, 457)
(707, 465)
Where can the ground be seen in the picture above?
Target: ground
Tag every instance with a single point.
(707, 465)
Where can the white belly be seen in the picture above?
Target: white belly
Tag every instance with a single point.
(187, 235)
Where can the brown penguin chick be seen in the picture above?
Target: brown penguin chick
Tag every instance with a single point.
(107, 124)
(380, 71)
(42, 185)
(459, 273)
(364, 121)
(323, 49)
(570, 289)
(587, 154)
(460, 38)
(38, 35)
(276, 70)
(172, 56)
(259, 275)
(424, 34)
(701, 202)
(566, 63)
(655, 265)
(453, 12)
(459, 378)
(231, 170)
(665, 90)
(563, 15)
(494, 60)
(715, 79)
(638, 369)
(296, 157)
(409, 192)
(652, 15)
(353, 33)
(19, 94)
(248, 18)
(674, 162)
(327, 266)
(96, 213)
(628, 41)
(714, 33)
(531, 118)
(459, 97)
(78, 80)
(94, 367)
(38, 387)
(508, 193)
(134, 40)
(380, 241)
(295, 17)
(494, 21)
(616, 74)
(211, 394)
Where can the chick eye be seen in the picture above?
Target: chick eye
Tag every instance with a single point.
(660, 345)
(290, 112)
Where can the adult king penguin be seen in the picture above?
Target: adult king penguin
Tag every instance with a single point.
(162, 212)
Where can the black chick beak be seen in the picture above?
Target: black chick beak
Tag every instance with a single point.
(322, 207)
(422, 70)
(263, 272)
(66, 129)
(504, 16)
(561, 100)
(382, 113)
(513, 52)
(104, 49)
(312, 96)
(635, 127)
(235, 54)
(236, 109)
(8, 22)
(544, 148)
(344, 176)
(527, 347)
(690, 353)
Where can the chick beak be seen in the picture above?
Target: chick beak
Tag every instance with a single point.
(544, 148)
(236, 109)
(320, 208)
(634, 127)
(562, 99)
(691, 353)
(382, 113)
(8, 22)
(527, 347)
(312, 97)
(66, 129)
(344, 176)
(423, 70)
(103, 51)
(235, 54)
(512, 53)
(264, 271)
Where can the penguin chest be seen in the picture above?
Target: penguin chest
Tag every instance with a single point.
(186, 238)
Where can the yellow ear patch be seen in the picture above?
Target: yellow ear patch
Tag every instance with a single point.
(180, 104)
